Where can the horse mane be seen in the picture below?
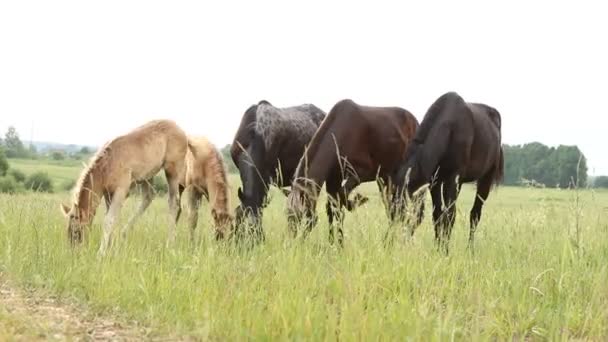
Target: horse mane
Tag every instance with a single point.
(85, 176)
(433, 114)
(221, 178)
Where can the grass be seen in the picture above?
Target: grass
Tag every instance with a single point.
(531, 277)
(61, 172)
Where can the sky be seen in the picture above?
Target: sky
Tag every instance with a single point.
(84, 72)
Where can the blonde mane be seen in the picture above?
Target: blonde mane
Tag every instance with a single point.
(95, 162)
(219, 179)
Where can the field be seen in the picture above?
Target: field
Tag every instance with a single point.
(539, 272)
(61, 172)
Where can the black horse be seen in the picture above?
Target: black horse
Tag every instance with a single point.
(266, 150)
(457, 142)
(355, 144)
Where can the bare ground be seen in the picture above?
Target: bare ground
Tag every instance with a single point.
(28, 315)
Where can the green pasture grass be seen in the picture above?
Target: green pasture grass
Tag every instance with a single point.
(540, 271)
(61, 172)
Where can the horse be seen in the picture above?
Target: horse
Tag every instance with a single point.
(266, 149)
(206, 176)
(457, 142)
(355, 144)
(131, 158)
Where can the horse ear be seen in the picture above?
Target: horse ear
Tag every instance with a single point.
(286, 192)
(64, 209)
(240, 193)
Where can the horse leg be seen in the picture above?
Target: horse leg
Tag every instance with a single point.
(108, 223)
(483, 189)
(174, 202)
(334, 209)
(437, 213)
(146, 199)
(193, 199)
(451, 190)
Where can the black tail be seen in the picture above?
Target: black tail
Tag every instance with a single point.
(499, 171)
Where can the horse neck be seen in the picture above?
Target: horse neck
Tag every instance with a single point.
(217, 185)
(89, 196)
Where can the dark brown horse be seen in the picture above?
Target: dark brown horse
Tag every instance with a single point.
(457, 142)
(355, 144)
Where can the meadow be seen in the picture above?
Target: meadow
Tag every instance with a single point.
(539, 272)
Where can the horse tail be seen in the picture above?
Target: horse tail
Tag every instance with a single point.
(499, 171)
(192, 147)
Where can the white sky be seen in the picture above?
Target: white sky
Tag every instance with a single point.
(86, 71)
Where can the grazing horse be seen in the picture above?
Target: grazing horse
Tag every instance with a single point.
(266, 149)
(355, 144)
(127, 159)
(206, 176)
(457, 142)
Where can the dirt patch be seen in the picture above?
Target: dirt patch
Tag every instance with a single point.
(27, 315)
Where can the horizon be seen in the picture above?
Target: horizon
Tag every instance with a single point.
(83, 73)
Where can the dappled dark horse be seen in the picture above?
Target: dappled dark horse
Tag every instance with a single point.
(355, 144)
(457, 142)
(266, 149)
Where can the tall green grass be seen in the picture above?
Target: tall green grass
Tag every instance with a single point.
(531, 277)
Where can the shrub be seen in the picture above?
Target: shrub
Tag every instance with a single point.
(68, 185)
(57, 155)
(159, 184)
(18, 175)
(39, 181)
(3, 162)
(8, 185)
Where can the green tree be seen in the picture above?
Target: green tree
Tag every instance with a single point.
(14, 146)
(600, 182)
(546, 165)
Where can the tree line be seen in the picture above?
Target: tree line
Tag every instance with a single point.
(541, 165)
(532, 164)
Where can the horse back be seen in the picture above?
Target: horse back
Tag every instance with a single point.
(148, 148)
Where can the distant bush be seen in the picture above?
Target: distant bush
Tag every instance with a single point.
(600, 182)
(68, 185)
(159, 184)
(8, 185)
(57, 155)
(39, 181)
(18, 175)
(3, 162)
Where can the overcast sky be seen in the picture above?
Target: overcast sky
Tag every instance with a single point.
(85, 71)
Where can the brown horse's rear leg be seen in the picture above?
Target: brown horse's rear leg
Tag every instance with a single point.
(483, 189)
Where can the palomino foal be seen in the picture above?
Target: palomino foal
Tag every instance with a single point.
(134, 157)
(206, 176)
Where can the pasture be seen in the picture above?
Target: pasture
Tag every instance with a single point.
(539, 272)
